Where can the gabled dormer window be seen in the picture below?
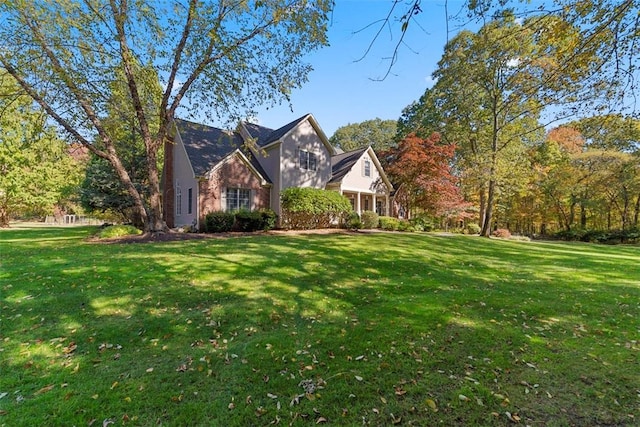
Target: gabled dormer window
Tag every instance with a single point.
(308, 160)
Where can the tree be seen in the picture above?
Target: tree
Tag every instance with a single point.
(213, 57)
(611, 132)
(490, 92)
(101, 189)
(36, 170)
(379, 134)
(608, 32)
(422, 167)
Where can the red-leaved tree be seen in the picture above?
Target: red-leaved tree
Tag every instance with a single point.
(422, 169)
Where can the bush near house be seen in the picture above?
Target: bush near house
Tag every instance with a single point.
(353, 221)
(219, 222)
(311, 208)
(264, 219)
(243, 220)
(370, 219)
(118, 231)
(388, 223)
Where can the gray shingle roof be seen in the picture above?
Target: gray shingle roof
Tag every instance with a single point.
(206, 146)
(265, 136)
(342, 163)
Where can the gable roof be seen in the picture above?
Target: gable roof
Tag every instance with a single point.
(207, 146)
(260, 133)
(342, 163)
(265, 136)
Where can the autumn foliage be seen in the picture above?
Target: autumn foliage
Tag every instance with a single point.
(421, 168)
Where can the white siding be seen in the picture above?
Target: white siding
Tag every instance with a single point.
(355, 179)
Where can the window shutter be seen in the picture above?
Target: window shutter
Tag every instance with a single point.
(223, 199)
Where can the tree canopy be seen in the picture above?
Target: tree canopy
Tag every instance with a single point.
(377, 133)
(36, 170)
(213, 59)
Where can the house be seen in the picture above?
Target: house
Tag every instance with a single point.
(208, 169)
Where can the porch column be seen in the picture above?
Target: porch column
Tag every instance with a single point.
(358, 203)
(386, 202)
(375, 206)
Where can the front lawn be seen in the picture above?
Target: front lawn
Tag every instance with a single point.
(342, 329)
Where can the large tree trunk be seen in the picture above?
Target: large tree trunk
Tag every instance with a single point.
(636, 212)
(488, 217)
(4, 216)
(155, 223)
(483, 205)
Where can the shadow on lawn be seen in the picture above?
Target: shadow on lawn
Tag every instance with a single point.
(165, 305)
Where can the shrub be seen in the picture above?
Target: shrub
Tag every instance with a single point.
(421, 223)
(353, 222)
(309, 208)
(269, 219)
(370, 219)
(248, 220)
(118, 231)
(501, 233)
(219, 222)
(473, 228)
(388, 223)
(405, 226)
(255, 220)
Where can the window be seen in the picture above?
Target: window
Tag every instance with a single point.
(367, 167)
(190, 201)
(238, 198)
(178, 200)
(308, 161)
(366, 204)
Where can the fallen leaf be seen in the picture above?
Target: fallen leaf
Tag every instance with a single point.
(432, 405)
(321, 420)
(45, 389)
(512, 417)
(272, 396)
(400, 392)
(359, 378)
(463, 398)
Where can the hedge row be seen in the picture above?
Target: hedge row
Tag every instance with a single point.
(600, 236)
(221, 222)
(311, 208)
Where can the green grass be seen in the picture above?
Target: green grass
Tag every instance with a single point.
(413, 329)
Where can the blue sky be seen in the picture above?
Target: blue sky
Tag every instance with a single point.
(343, 90)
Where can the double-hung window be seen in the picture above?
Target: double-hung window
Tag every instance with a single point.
(238, 198)
(367, 167)
(308, 160)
